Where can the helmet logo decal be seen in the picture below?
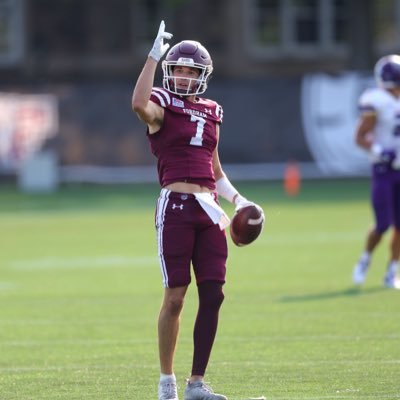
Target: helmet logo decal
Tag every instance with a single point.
(184, 61)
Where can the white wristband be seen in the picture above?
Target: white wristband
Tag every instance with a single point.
(226, 189)
(376, 149)
(239, 199)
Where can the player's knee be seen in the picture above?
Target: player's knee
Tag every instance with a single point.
(211, 294)
(174, 305)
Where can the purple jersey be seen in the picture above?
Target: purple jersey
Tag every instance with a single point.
(185, 143)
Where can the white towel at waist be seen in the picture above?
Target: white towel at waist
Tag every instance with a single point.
(213, 209)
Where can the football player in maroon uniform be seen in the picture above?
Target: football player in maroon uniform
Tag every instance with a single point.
(183, 130)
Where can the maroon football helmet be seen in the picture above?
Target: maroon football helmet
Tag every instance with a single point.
(387, 72)
(187, 53)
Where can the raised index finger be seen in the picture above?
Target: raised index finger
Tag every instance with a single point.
(161, 29)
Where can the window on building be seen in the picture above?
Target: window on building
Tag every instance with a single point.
(387, 26)
(296, 27)
(340, 20)
(77, 27)
(305, 21)
(267, 23)
(146, 20)
(11, 32)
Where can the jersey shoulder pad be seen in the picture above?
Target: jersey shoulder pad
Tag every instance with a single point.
(373, 99)
(161, 97)
(219, 111)
(216, 108)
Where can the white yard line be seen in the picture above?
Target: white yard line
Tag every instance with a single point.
(82, 262)
(6, 286)
(74, 342)
(75, 367)
(310, 238)
(221, 339)
(150, 366)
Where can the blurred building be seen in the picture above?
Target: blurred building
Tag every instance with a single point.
(88, 54)
(90, 38)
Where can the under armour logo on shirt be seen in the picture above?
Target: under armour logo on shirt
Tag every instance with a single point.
(175, 206)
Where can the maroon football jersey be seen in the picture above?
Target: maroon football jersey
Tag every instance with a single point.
(185, 143)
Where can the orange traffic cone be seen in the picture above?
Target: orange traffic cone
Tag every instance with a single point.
(292, 179)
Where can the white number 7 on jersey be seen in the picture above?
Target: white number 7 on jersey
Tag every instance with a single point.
(197, 140)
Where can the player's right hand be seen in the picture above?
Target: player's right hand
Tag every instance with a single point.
(396, 162)
(159, 47)
(241, 202)
(382, 155)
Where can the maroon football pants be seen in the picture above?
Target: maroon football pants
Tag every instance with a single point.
(186, 235)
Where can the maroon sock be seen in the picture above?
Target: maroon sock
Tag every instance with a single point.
(211, 297)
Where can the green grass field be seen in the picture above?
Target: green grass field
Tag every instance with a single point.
(80, 290)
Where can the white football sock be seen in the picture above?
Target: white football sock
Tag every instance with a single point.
(393, 267)
(164, 377)
(365, 257)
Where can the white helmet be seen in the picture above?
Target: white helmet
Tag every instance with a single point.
(387, 72)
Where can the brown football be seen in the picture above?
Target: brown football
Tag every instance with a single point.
(246, 225)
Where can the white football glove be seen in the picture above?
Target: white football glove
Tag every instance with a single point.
(241, 202)
(396, 162)
(378, 154)
(159, 47)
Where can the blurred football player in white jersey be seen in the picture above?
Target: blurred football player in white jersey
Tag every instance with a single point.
(378, 132)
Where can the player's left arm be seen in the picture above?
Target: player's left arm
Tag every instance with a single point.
(217, 167)
(364, 130)
(363, 138)
(224, 186)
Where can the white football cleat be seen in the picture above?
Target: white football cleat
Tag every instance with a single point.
(391, 281)
(360, 272)
(200, 391)
(167, 390)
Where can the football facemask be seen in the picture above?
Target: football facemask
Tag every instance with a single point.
(187, 86)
